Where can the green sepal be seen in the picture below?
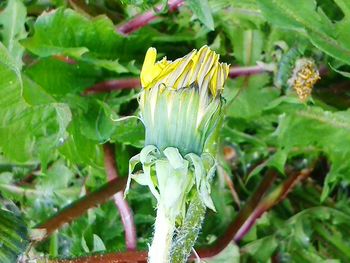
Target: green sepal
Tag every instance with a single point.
(174, 178)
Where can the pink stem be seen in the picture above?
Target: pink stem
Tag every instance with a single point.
(112, 85)
(146, 18)
(131, 83)
(122, 205)
(270, 200)
(245, 71)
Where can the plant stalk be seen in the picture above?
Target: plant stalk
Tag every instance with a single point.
(122, 205)
(159, 251)
(188, 233)
(146, 18)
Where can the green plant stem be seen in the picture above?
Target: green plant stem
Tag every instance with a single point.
(159, 251)
(54, 245)
(188, 233)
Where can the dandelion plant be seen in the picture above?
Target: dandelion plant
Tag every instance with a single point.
(181, 104)
(253, 169)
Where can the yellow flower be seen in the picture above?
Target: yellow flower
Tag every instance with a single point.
(198, 67)
(181, 100)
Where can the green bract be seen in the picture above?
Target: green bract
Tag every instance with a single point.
(178, 118)
(170, 176)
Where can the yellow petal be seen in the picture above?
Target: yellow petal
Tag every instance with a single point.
(147, 73)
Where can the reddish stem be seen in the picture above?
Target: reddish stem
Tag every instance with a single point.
(241, 225)
(65, 59)
(113, 85)
(80, 206)
(122, 257)
(132, 83)
(242, 216)
(122, 205)
(236, 72)
(146, 18)
(270, 201)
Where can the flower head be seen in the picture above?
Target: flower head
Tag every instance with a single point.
(200, 68)
(180, 106)
(181, 100)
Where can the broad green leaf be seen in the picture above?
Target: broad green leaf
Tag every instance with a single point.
(97, 124)
(26, 130)
(58, 78)
(12, 29)
(130, 132)
(247, 45)
(229, 254)
(305, 17)
(66, 32)
(250, 97)
(34, 94)
(326, 132)
(262, 249)
(14, 237)
(79, 149)
(202, 10)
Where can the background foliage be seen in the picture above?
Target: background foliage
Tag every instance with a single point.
(52, 132)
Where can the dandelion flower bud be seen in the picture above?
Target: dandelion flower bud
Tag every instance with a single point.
(180, 105)
(181, 100)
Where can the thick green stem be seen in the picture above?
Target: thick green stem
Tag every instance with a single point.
(159, 251)
(188, 233)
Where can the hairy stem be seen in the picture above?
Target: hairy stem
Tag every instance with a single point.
(159, 251)
(188, 233)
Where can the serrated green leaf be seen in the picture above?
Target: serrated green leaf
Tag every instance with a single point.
(130, 132)
(58, 78)
(12, 20)
(97, 124)
(202, 10)
(34, 94)
(66, 32)
(250, 97)
(22, 127)
(326, 132)
(79, 149)
(304, 16)
(262, 249)
(229, 254)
